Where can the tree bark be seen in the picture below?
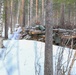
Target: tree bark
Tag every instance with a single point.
(1, 23)
(69, 14)
(22, 12)
(6, 19)
(31, 9)
(48, 70)
(36, 10)
(43, 16)
(18, 11)
(24, 15)
(28, 13)
(11, 16)
(62, 15)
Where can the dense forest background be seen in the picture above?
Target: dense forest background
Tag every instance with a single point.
(26, 12)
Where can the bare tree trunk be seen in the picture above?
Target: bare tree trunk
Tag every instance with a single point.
(43, 13)
(28, 13)
(62, 15)
(74, 14)
(1, 23)
(11, 16)
(57, 17)
(18, 13)
(69, 15)
(24, 15)
(36, 10)
(22, 12)
(6, 19)
(48, 65)
(31, 9)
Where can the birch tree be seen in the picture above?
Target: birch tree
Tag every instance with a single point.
(1, 23)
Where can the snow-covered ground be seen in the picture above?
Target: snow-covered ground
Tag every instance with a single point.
(26, 57)
(22, 57)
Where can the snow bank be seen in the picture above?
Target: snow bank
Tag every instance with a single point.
(26, 57)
